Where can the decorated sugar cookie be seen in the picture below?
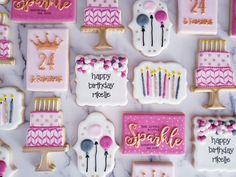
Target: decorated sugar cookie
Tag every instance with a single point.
(47, 59)
(11, 108)
(197, 16)
(156, 134)
(214, 72)
(46, 133)
(153, 169)
(96, 146)
(102, 16)
(41, 11)
(7, 168)
(150, 27)
(102, 78)
(215, 140)
(160, 83)
(6, 57)
(233, 19)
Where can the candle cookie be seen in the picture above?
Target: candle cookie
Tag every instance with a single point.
(43, 11)
(7, 168)
(96, 146)
(215, 140)
(47, 59)
(46, 133)
(156, 134)
(160, 83)
(102, 16)
(197, 17)
(102, 78)
(153, 169)
(150, 27)
(214, 72)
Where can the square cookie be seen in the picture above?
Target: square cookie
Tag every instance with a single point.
(197, 17)
(153, 169)
(157, 134)
(28, 11)
(47, 59)
(215, 140)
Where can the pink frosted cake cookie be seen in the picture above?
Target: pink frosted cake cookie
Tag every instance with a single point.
(215, 140)
(47, 59)
(5, 43)
(214, 72)
(197, 17)
(96, 146)
(104, 79)
(160, 83)
(153, 169)
(43, 11)
(156, 134)
(102, 16)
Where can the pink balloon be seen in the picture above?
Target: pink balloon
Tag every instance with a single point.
(106, 142)
(161, 16)
(95, 131)
(149, 5)
(3, 167)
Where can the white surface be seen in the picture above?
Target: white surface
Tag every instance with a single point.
(182, 49)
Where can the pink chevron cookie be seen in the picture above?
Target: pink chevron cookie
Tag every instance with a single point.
(157, 134)
(43, 11)
(214, 69)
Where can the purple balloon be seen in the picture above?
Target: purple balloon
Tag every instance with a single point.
(106, 142)
(161, 16)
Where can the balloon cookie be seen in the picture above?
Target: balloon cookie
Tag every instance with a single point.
(96, 146)
(46, 133)
(102, 78)
(150, 26)
(11, 108)
(102, 16)
(214, 72)
(7, 168)
(6, 57)
(160, 83)
(215, 140)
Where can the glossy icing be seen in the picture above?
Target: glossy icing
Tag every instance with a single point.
(215, 140)
(41, 11)
(47, 59)
(101, 78)
(150, 27)
(197, 16)
(160, 83)
(96, 135)
(157, 134)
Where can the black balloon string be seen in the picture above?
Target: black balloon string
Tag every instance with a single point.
(143, 31)
(151, 17)
(96, 151)
(87, 158)
(162, 36)
(106, 154)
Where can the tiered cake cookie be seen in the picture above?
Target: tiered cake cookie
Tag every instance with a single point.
(150, 27)
(96, 146)
(153, 169)
(197, 16)
(11, 108)
(46, 132)
(102, 78)
(214, 143)
(214, 71)
(233, 19)
(5, 43)
(43, 11)
(7, 168)
(160, 83)
(102, 16)
(47, 59)
(157, 134)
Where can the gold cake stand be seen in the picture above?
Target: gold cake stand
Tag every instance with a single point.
(214, 101)
(102, 31)
(7, 61)
(45, 163)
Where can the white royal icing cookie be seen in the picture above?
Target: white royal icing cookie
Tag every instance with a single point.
(96, 146)
(150, 26)
(160, 83)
